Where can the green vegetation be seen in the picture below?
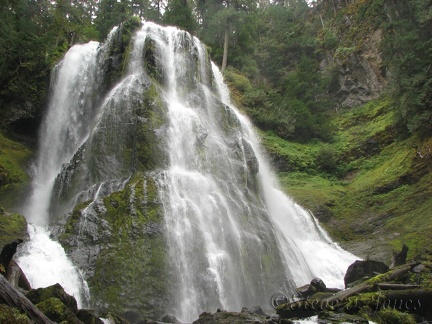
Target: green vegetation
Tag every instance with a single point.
(56, 311)
(14, 158)
(132, 254)
(12, 315)
(12, 227)
(377, 185)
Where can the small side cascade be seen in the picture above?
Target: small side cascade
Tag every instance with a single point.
(70, 117)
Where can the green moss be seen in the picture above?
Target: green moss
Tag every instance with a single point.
(424, 278)
(12, 227)
(311, 191)
(56, 291)
(291, 156)
(132, 258)
(9, 315)
(13, 177)
(130, 270)
(150, 60)
(391, 316)
(56, 311)
(380, 186)
(148, 153)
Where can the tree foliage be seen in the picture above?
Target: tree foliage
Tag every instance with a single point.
(34, 34)
(408, 51)
(278, 45)
(179, 13)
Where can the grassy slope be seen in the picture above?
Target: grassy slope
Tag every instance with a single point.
(382, 195)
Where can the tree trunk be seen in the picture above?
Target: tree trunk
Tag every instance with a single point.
(225, 52)
(13, 298)
(393, 286)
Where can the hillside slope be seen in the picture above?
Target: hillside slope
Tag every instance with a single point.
(347, 125)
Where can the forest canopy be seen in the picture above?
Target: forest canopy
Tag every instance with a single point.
(271, 52)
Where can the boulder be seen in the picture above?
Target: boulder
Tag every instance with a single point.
(87, 316)
(12, 315)
(57, 311)
(361, 269)
(39, 295)
(316, 285)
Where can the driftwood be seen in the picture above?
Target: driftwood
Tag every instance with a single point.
(387, 293)
(13, 298)
(392, 286)
(369, 286)
(17, 277)
(344, 294)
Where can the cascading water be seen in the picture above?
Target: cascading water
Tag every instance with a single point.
(234, 239)
(231, 237)
(66, 126)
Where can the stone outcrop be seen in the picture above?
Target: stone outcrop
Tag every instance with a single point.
(361, 269)
(360, 76)
(12, 227)
(316, 285)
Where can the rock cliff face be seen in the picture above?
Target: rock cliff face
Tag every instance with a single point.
(359, 74)
(114, 231)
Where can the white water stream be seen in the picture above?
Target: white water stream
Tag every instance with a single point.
(64, 129)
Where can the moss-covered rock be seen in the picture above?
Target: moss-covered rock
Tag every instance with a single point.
(390, 316)
(120, 47)
(39, 295)
(150, 60)
(12, 227)
(119, 244)
(88, 317)
(58, 312)
(113, 318)
(14, 179)
(9, 315)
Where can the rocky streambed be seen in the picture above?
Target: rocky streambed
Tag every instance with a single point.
(374, 292)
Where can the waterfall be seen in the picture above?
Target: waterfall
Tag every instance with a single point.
(200, 184)
(66, 126)
(232, 241)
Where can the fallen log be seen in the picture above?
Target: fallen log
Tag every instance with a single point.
(419, 300)
(344, 294)
(16, 276)
(392, 286)
(13, 298)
